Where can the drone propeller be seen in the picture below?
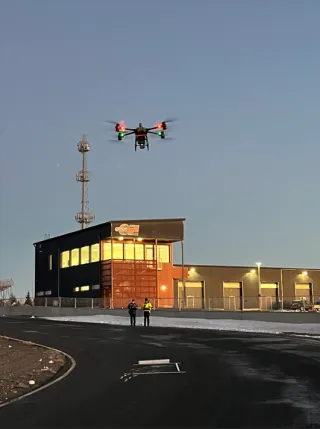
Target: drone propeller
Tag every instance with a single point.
(168, 120)
(114, 122)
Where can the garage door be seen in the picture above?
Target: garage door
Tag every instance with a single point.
(303, 290)
(194, 294)
(232, 292)
(269, 296)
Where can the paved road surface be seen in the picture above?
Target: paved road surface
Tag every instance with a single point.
(230, 379)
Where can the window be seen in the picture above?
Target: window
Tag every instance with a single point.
(85, 255)
(84, 288)
(139, 249)
(95, 287)
(76, 289)
(74, 257)
(149, 252)
(129, 251)
(50, 262)
(40, 293)
(65, 259)
(117, 251)
(95, 252)
(106, 250)
(48, 292)
(164, 254)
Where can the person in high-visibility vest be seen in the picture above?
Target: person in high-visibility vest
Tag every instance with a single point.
(147, 307)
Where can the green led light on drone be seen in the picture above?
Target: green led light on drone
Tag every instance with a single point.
(159, 133)
(121, 134)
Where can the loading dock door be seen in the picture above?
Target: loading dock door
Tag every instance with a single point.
(194, 294)
(303, 290)
(269, 296)
(232, 296)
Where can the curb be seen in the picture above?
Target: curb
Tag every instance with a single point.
(68, 372)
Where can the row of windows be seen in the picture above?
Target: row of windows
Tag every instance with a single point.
(44, 293)
(126, 251)
(85, 288)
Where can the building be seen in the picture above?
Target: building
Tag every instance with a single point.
(115, 261)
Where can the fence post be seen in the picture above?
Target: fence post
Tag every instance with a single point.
(75, 303)
(91, 303)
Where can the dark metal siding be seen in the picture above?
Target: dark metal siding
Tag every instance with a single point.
(87, 274)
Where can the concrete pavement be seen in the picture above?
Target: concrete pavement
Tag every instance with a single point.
(226, 379)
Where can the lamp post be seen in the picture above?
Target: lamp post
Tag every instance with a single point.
(258, 264)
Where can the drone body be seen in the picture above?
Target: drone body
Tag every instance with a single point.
(141, 133)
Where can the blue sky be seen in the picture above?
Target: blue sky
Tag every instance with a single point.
(242, 77)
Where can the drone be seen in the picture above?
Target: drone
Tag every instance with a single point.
(141, 132)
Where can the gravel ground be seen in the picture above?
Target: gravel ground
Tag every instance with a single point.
(25, 367)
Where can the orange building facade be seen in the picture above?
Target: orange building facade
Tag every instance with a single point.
(137, 263)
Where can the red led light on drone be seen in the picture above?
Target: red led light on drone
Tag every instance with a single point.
(159, 126)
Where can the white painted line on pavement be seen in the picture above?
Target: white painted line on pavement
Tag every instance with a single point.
(178, 369)
(154, 362)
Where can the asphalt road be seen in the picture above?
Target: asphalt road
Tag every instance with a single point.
(227, 380)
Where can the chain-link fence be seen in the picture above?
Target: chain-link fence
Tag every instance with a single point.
(229, 303)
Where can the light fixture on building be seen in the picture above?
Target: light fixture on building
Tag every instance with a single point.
(252, 271)
(163, 287)
(120, 238)
(139, 239)
(258, 264)
(305, 273)
(192, 270)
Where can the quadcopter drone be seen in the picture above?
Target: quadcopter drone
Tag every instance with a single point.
(141, 133)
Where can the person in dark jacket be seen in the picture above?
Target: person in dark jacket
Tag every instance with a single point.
(132, 307)
(147, 307)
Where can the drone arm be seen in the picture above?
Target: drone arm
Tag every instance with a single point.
(152, 132)
(128, 134)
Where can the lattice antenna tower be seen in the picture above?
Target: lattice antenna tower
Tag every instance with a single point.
(6, 289)
(84, 217)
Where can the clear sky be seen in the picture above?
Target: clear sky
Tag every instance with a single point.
(241, 75)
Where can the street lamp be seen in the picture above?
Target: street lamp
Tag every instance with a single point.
(258, 264)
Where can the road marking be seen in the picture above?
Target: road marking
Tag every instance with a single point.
(154, 362)
(178, 368)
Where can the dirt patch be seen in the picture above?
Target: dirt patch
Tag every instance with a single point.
(25, 367)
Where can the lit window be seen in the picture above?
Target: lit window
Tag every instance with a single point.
(139, 249)
(117, 251)
(149, 252)
(106, 250)
(95, 252)
(85, 255)
(48, 292)
(50, 262)
(40, 293)
(128, 251)
(84, 288)
(76, 289)
(75, 257)
(164, 254)
(95, 287)
(65, 259)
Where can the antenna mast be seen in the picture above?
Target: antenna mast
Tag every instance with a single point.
(84, 217)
